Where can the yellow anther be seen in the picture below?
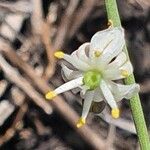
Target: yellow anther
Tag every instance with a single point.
(59, 54)
(124, 73)
(97, 53)
(81, 122)
(50, 95)
(110, 23)
(115, 113)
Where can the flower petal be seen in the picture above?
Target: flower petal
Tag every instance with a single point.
(69, 85)
(123, 91)
(98, 96)
(87, 103)
(82, 52)
(112, 74)
(84, 89)
(69, 74)
(67, 77)
(119, 61)
(110, 42)
(76, 90)
(99, 41)
(76, 62)
(107, 94)
(114, 47)
(118, 73)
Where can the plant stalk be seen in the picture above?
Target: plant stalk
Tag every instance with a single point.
(135, 104)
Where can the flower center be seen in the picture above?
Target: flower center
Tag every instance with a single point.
(92, 79)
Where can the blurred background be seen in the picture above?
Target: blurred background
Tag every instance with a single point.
(30, 32)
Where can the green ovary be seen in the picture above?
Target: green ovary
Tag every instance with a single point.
(92, 79)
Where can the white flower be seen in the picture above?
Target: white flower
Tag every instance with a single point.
(96, 65)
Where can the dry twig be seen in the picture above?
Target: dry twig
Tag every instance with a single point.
(45, 35)
(16, 125)
(22, 83)
(111, 137)
(81, 15)
(41, 29)
(37, 17)
(19, 6)
(63, 28)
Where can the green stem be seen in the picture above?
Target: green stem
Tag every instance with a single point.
(135, 104)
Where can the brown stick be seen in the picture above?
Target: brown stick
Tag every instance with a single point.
(58, 103)
(22, 83)
(81, 15)
(37, 17)
(42, 29)
(65, 24)
(45, 36)
(17, 124)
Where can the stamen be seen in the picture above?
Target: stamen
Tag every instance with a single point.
(81, 122)
(110, 23)
(59, 54)
(115, 113)
(124, 73)
(50, 95)
(97, 53)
